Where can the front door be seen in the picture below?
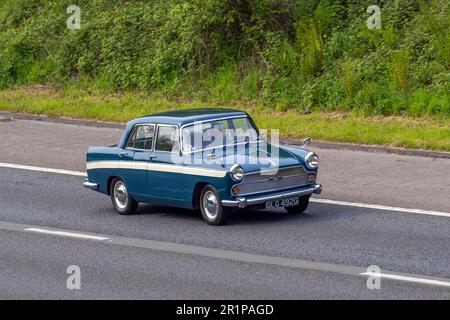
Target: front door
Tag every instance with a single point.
(135, 158)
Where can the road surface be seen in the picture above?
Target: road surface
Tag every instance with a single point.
(164, 253)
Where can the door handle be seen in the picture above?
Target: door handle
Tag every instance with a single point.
(152, 157)
(121, 154)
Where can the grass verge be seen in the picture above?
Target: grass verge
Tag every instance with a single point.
(415, 133)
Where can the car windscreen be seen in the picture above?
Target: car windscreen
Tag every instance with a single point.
(217, 133)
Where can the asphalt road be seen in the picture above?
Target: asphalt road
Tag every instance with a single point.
(163, 253)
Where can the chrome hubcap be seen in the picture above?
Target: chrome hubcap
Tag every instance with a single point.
(120, 195)
(210, 205)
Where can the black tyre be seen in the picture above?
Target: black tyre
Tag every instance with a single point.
(211, 207)
(301, 207)
(122, 202)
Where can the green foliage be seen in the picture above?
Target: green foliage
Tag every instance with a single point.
(290, 54)
(400, 69)
(310, 43)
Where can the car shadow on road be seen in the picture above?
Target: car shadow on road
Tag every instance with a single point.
(239, 217)
(263, 217)
(316, 213)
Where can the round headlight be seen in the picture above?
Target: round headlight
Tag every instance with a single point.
(236, 173)
(312, 160)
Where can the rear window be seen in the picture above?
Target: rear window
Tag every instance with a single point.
(142, 137)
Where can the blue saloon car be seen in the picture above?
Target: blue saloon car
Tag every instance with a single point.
(215, 160)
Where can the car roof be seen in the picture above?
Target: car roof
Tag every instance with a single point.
(187, 116)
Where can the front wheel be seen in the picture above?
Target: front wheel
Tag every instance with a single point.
(211, 207)
(301, 207)
(121, 199)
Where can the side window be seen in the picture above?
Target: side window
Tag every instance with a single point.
(131, 139)
(142, 137)
(167, 139)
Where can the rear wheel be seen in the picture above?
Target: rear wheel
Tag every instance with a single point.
(301, 207)
(211, 207)
(121, 199)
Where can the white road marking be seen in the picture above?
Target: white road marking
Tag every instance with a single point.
(380, 207)
(315, 200)
(239, 256)
(32, 168)
(407, 279)
(66, 234)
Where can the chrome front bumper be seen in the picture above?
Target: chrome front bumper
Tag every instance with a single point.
(242, 202)
(90, 185)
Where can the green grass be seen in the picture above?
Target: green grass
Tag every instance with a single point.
(417, 133)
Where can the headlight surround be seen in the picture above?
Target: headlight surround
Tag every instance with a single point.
(236, 173)
(312, 160)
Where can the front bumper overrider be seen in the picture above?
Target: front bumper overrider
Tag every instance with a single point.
(244, 201)
(90, 185)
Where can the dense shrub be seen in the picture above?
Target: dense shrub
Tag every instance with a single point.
(301, 54)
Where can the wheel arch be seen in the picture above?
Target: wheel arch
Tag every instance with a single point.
(110, 180)
(196, 193)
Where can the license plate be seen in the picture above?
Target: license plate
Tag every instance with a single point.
(281, 203)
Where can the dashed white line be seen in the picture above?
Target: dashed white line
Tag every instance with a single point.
(315, 200)
(66, 234)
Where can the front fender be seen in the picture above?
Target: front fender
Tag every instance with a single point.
(300, 154)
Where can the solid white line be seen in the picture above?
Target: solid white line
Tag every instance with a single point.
(66, 234)
(407, 279)
(32, 168)
(316, 200)
(381, 207)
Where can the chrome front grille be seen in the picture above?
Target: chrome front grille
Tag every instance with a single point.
(284, 178)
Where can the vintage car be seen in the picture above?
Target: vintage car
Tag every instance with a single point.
(215, 160)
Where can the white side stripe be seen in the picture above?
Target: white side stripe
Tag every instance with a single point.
(407, 279)
(381, 207)
(102, 165)
(66, 234)
(140, 165)
(31, 168)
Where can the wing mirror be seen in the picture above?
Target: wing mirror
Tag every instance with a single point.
(306, 142)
